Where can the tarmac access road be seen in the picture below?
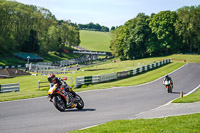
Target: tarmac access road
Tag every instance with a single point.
(38, 115)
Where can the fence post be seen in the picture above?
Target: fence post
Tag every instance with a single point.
(19, 87)
(38, 84)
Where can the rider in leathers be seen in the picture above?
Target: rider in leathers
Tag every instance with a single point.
(167, 78)
(60, 83)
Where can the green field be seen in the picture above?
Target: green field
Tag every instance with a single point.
(95, 40)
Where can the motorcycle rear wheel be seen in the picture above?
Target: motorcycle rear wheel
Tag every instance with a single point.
(169, 89)
(59, 103)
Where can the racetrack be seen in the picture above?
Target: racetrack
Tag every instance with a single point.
(39, 115)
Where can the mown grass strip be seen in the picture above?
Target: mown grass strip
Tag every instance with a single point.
(174, 124)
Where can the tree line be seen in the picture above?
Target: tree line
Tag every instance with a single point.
(94, 27)
(164, 33)
(28, 28)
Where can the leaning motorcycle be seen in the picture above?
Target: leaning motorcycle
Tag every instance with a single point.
(64, 100)
(168, 86)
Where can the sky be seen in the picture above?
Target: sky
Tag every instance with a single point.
(107, 12)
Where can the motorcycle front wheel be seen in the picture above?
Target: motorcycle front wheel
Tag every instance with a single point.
(80, 103)
(59, 103)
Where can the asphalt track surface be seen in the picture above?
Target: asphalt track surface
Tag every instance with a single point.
(40, 116)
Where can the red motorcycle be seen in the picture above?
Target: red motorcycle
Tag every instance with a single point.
(64, 100)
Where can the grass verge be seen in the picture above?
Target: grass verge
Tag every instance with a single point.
(174, 124)
(194, 97)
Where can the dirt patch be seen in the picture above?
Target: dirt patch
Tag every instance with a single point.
(11, 72)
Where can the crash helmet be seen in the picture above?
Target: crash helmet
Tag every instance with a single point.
(51, 77)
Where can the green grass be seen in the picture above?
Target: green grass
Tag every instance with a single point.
(174, 124)
(194, 97)
(95, 40)
(188, 58)
(54, 56)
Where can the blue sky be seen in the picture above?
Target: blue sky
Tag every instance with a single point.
(107, 12)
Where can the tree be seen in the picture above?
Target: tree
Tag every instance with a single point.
(188, 28)
(92, 26)
(129, 41)
(31, 44)
(162, 24)
(117, 41)
(112, 28)
(137, 40)
(197, 27)
(184, 28)
(33, 29)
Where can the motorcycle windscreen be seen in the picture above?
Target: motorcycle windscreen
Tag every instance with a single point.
(167, 82)
(51, 89)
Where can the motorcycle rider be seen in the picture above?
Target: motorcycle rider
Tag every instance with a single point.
(60, 83)
(168, 78)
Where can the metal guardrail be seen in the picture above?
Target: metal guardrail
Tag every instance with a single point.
(9, 87)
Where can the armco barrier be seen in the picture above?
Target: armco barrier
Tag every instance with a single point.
(123, 74)
(107, 77)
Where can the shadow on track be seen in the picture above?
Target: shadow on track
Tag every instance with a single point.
(79, 110)
(178, 93)
(175, 92)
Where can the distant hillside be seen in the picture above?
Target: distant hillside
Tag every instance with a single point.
(95, 41)
(91, 40)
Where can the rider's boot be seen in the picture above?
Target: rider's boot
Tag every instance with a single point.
(73, 105)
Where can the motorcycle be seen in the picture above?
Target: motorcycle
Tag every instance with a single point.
(64, 100)
(168, 86)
